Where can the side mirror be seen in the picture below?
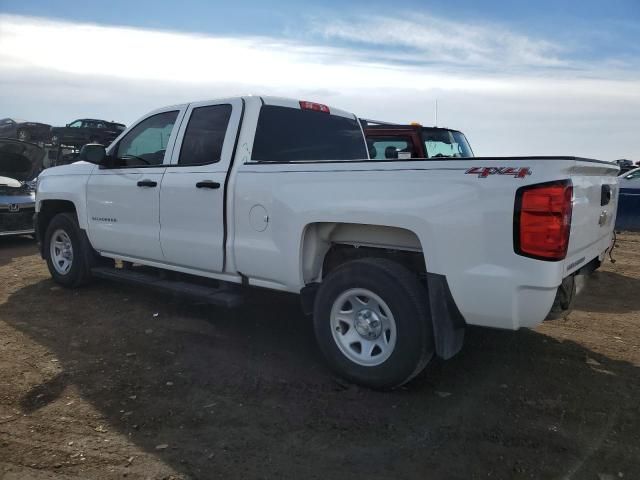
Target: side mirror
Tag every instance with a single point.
(67, 124)
(93, 153)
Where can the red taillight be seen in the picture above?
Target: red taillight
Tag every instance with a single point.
(317, 107)
(542, 220)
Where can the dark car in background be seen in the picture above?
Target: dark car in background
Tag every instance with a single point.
(24, 131)
(86, 130)
(20, 165)
(628, 215)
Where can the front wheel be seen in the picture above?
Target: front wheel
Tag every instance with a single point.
(372, 323)
(65, 251)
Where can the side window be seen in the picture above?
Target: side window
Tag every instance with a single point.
(390, 148)
(76, 124)
(146, 143)
(443, 143)
(204, 135)
(289, 134)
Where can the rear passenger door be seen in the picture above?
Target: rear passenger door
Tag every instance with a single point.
(192, 194)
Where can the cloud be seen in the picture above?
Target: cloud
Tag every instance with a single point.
(137, 54)
(511, 94)
(436, 40)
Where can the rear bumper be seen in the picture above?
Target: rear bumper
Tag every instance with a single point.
(498, 297)
(570, 289)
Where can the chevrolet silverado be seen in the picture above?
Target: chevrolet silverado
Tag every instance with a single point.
(392, 257)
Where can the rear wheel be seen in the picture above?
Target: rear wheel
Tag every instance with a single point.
(66, 251)
(372, 324)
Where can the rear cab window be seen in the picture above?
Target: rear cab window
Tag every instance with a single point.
(286, 134)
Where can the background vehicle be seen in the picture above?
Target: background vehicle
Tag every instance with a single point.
(388, 141)
(23, 130)
(625, 166)
(20, 164)
(86, 130)
(628, 217)
(393, 259)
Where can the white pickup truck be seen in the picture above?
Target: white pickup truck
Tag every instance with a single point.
(393, 257)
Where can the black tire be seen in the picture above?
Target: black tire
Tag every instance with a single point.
(79, 272)
(407, 300)
(23, 135)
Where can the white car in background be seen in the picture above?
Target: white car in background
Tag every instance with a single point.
(20, 163)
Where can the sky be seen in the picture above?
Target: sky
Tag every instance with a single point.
(551, 77)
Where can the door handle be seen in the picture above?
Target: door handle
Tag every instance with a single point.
(147, 183)
(208, 184)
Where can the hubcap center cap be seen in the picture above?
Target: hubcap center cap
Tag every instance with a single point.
(368, 324)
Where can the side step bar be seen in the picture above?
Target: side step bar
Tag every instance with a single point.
(221, 296)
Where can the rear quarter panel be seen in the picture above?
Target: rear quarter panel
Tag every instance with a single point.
(464, 223)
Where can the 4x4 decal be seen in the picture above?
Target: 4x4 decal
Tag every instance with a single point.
(484, 172)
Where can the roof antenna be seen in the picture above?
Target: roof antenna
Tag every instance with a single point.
(436, 124)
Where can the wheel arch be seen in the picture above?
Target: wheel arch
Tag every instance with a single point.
(321, 240)
(327, 245)
(47, 210)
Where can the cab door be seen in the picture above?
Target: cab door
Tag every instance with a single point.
(123, 198)
(192, 196)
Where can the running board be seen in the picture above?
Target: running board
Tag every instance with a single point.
(221, 296)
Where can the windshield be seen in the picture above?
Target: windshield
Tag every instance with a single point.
(632, 174)
(445, 143)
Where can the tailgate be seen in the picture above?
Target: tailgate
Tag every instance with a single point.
(595, 200)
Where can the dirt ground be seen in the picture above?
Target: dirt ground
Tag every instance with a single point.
(111, 382)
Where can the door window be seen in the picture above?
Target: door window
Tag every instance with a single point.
(204, 136)
(146, 143)
(76, 124)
